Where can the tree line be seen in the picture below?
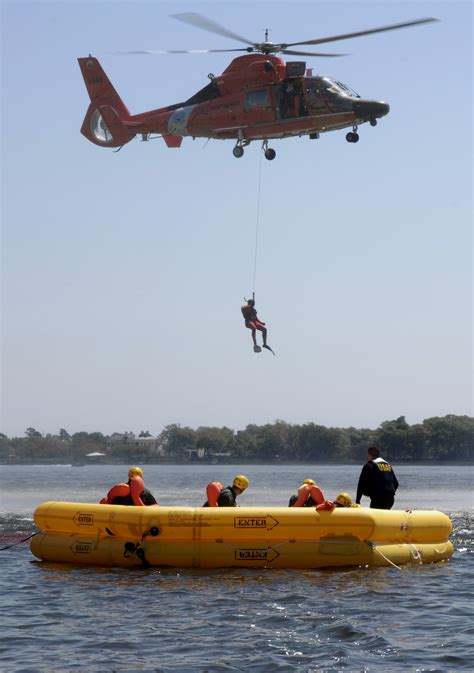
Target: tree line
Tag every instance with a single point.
(438, 439)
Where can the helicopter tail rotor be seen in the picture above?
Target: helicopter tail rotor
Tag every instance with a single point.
(104, 123)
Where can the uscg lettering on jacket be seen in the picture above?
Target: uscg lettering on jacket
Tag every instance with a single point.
(81, 519)
(267, 554)
(384, 467)
(81, 547)
(267, 522)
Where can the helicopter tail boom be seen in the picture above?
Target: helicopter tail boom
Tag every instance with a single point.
(105, 120)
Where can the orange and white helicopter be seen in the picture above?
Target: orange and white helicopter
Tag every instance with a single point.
(257, 97)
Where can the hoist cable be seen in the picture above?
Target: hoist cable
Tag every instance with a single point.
(257, 224)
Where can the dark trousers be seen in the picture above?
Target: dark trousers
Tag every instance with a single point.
(382, 502)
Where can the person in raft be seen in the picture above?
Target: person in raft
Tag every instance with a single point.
(377, 481)
(344, 500)
(131, 493)
(218, 496)
(253, 323)
(309, 495)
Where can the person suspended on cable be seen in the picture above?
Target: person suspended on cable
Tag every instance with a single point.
(253, 323)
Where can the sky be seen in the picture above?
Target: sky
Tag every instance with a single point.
(123, 273)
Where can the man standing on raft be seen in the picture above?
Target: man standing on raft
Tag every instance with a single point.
(377, 481)
(252, 322)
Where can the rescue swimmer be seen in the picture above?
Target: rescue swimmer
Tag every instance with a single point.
(342, 500)
(218, 496)
(309, 495)
(253, 323)
(131, 493)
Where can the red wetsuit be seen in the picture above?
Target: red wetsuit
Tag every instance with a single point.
(250, 317)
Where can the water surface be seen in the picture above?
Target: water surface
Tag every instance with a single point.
(59, 619)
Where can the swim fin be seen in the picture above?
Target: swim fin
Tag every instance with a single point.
(269, 349)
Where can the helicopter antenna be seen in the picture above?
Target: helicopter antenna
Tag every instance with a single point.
(267, 32)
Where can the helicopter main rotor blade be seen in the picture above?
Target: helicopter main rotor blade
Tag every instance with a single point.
(207, 24)
(346, 36)
(293, 52)
(178, 51)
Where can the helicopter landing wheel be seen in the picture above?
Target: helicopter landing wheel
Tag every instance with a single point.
(352, 137)
(373, 122)
(269, 153)
(238, 151)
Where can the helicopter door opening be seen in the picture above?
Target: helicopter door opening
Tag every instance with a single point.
(291, 98)
(99, 129)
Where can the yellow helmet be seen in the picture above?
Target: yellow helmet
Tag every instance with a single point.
(241, 482)
(135, 472)
(344, 499)
(310, 482)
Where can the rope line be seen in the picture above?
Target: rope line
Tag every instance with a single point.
(374, 548)
(414, 553)
(257, 224)
(19, 542)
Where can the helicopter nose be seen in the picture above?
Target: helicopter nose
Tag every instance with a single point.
(370, 109)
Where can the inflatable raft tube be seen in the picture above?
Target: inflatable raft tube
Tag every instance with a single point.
(115, 535)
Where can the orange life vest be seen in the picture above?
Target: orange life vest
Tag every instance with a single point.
(327, 505)
(133, 490)
(306, 491)
(213, 491)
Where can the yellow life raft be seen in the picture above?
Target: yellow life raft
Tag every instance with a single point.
(256, 537)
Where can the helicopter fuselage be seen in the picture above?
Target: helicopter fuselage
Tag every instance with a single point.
(257, 97)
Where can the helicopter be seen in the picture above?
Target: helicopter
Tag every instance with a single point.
(258, 97)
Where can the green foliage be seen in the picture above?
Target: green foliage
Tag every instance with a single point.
(61, 448)
(448, 438)
(31, 432)
(176, 440)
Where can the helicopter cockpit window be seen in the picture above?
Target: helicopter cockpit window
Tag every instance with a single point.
(347, 90)
(257, 99)
(338, 95)
(332, 85)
